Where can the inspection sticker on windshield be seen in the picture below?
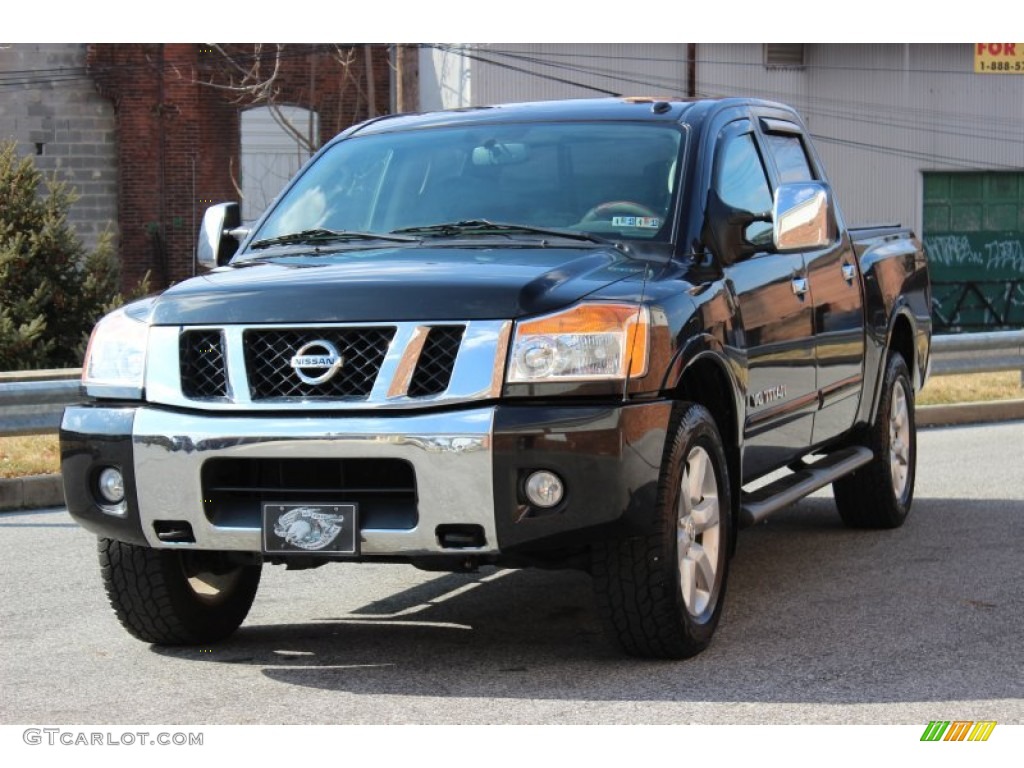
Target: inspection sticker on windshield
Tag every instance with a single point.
(644, 222)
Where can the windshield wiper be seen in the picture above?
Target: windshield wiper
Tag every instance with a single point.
(309, 236)
(485, 227)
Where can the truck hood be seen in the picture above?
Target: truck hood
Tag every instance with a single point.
(394, 284)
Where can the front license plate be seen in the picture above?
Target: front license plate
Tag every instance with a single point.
(329, 529)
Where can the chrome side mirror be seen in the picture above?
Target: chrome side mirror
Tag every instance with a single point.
(802, 217)
(217, 241)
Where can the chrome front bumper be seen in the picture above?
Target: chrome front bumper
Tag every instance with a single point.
(468, 468)
(450, 454)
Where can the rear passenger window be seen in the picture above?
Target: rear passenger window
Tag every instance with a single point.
(790, 157)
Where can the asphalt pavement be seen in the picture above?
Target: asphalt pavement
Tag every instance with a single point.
(821, 625)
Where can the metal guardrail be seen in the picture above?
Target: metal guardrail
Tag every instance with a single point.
(978, 353)
(31, 402)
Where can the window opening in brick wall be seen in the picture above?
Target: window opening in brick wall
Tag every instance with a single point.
(272, 153)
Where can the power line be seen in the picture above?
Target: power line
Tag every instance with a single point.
(810, 109)
(727, 62)
(867, 113)
(613, 74)
(900, 115)
(914, 154)
(476, 57)
(27, 78)
(878, 148)
(853, 109)
(1011, 134)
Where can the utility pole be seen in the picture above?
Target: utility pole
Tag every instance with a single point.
(371, 91)
(691, 70)
(407, 77)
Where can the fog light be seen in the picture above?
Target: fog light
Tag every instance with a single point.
(111, 485)
(544, 489)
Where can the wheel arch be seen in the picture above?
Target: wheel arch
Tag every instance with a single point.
(901, 340)
(707, 379)
(902, 337)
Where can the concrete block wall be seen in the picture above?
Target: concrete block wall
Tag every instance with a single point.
(51, 107)
(146, 146)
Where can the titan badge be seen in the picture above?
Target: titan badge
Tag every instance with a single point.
(767, 396)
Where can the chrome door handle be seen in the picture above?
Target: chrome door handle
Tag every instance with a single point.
(849, 272)
(799, 285)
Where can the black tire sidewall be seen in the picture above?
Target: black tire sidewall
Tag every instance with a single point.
(866, 498)
(696, 428)
(150, 592)
(213, 619)
(898, 375)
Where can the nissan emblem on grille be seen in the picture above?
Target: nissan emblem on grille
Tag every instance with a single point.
(308, 357)
(308, 527)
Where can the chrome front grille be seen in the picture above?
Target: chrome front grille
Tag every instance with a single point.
(436, 361)
(203, 369)
(397, 365)
(268, 355)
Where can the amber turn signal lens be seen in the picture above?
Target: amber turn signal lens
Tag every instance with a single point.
(587, 342)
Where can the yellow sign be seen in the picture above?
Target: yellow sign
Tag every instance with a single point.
(999, 58)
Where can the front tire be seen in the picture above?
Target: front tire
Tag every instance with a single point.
(878, 495)
(661, 594)
(176, 597)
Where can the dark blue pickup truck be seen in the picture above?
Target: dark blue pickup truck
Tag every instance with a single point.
(597, 334)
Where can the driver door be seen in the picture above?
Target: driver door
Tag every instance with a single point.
(774, 330)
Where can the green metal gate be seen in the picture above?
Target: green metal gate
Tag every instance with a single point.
(974, 235)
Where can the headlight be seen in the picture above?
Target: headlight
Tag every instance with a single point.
(115, 361)
(589, 342)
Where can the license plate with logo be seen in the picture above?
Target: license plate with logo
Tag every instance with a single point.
(292, 529)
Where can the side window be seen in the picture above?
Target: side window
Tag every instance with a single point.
(790, 157)
(741, 183)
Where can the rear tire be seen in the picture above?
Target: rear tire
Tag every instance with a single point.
(660, 595)
(176, 597)
(878, 495)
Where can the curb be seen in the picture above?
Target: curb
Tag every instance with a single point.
(34, 492)
(42, 491)
(970, 413)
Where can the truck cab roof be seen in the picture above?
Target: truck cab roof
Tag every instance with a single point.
(632, 108)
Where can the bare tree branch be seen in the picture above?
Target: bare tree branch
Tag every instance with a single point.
(234, 178)
(304, 139)
(251, 85)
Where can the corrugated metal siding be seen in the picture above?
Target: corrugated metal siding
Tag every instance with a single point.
(573, 71)
(444, 77)
(505, 72)
(883, 114)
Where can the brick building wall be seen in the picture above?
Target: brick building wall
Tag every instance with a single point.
(178, 144)
(49, 105)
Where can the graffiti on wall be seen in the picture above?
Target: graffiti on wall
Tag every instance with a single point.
(977, 280)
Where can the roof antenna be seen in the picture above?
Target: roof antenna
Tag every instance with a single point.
(660, 107)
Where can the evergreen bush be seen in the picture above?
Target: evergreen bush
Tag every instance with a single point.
(51, 290)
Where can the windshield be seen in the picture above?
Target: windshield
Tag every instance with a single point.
(615, 180)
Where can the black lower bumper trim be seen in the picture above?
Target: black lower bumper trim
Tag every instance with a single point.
(608, 458)
(92, 439)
